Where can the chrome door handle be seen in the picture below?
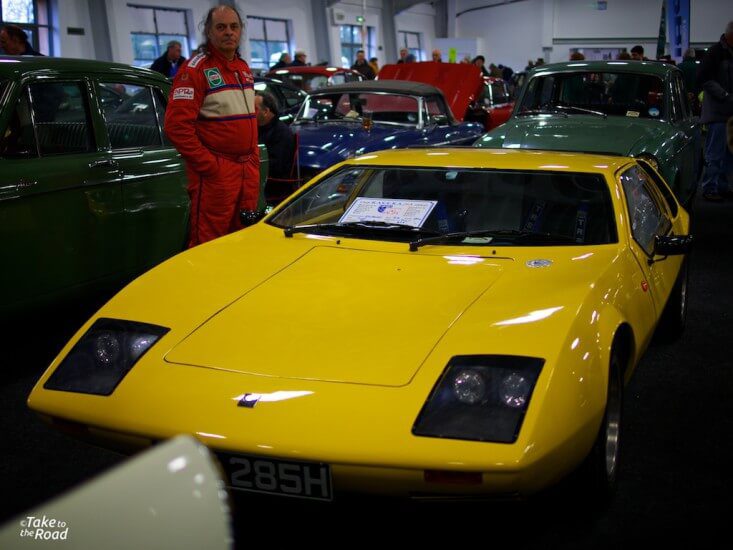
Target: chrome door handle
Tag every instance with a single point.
(103, 162)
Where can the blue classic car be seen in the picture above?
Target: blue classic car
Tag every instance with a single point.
(350, 119)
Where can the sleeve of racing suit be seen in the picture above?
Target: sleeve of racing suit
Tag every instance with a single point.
(184, 104)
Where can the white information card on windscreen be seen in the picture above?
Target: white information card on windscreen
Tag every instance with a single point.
(397, 211)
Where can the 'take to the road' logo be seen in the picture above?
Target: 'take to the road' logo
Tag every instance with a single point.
(43, 528)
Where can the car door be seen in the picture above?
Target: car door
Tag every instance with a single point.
(687, 142)
(155, 201)
(649, 215)
(60, 197)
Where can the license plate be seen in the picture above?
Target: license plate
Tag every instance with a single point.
(265, 475)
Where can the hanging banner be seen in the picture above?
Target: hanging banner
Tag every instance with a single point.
(662, 39)
(678, 27)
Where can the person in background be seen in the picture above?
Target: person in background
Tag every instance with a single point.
(577, 56)
(506, 73)
(299, 59)
(437, 56)
(14, 41)
(466, 60)
(211, 121)
(361, 65)
(624, 56)
(689, 71)
(403, 55)
(374, 64)
(284, 61)
(716, 79)
(169, 63)
(480, 62)
(410, 58)
(276, 136)
(637, 53)
(494, 71)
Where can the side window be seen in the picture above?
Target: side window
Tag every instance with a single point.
(498, 93)
(292, 97)
(661, 187)
(161, 102)
(19, 140)
(435, 112)
(61, 118)
(131, 119)
(645, 215)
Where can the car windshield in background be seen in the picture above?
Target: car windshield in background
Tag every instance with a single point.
(492, 207)
(603, 93)
(341, 107)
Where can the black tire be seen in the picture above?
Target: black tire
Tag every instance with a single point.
(597, 477)
(674, 317)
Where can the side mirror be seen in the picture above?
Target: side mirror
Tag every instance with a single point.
(251, 217)
(673, 245)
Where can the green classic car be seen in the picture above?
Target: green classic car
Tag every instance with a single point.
(630, 108)
(91, 191)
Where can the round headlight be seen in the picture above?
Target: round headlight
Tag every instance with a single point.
(469, 387)
(515, 391)
(106, 348)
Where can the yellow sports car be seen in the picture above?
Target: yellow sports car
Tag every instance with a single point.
(452, 322)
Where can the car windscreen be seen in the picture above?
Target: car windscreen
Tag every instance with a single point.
(610, 93)
(511, 207)
(343, 107)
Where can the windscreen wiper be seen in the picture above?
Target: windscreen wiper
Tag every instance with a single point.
(292, 229)
(543, 111)
(490, 234)
(581, 110)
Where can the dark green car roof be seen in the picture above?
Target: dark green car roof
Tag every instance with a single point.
(14, 67)
(656, 68)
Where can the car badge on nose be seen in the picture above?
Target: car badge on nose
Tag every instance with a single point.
(539, 263)
(249, 400)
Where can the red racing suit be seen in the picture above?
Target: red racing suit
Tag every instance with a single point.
(211, 120)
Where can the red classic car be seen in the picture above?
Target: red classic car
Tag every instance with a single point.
(311, 78)
(471, 96)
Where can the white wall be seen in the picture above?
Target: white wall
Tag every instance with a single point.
(511, 33)
(74, 13)
(419, 18)
(708, 19)
(633, 19)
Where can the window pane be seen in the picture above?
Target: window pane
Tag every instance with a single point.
(276, 30)
(144, 47)
(171, 22)
(62, 120)
(142, 19)
(643, 211)
(256, 28)
(345, 34)
(275, 50)
(413, 40)
(130, 119)
(18, 140)
(258, 53)
(18, 11)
